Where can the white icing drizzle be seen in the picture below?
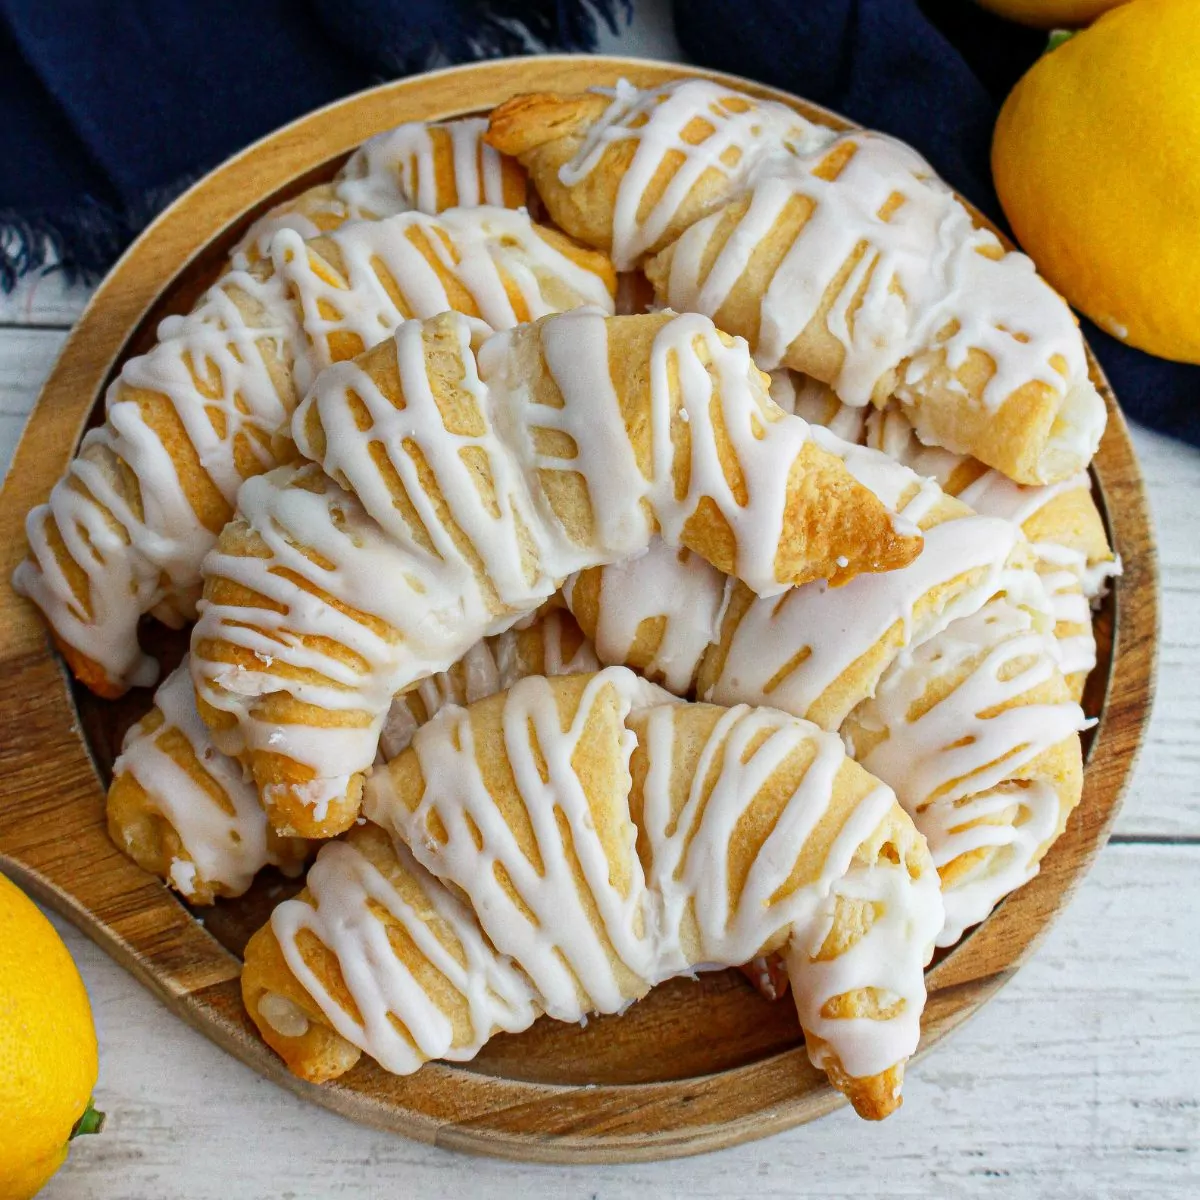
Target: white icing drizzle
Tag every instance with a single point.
(817, 633)
(490, 666)
(924, 268)
(393, 172)
(226, 846)
(397, 169)
(548, 932)
(691, 864)
(482, 250)
(689, 594)
(439, 602)
(765, 442)
(953, 765)
(343, 884)
(212, 366)
(134, 562)
(745, 132)
(1069, 579)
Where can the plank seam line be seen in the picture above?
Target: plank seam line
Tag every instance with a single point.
(1154, 839)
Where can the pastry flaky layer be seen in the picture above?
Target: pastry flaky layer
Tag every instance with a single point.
(124, 532)
(1060, 521)
(474, 474)
(564, 846)
(997, 763)
(190, 815)
(184, 811)
(839, 255)
(421, 166)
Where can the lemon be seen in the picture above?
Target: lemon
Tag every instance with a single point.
(48, 1061)
(1096, 158)
(1050, 14)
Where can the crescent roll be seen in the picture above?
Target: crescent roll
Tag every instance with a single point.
(125, 531)
(422, 166)
(628, 170)
(473, 477)
(563, 847)
(186, 812)
(854, 263)
(1061, 522)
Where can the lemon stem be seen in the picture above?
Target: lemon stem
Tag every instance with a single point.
(91, 1122)
(1058, 36)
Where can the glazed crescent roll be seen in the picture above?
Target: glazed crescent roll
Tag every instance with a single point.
(185, 812)
(1061, 522)
(977, 731)
(456, 495)
(812, 651)
(628, 170)
(422, 166)
(125, 531)
(854, 263)
(563, 847)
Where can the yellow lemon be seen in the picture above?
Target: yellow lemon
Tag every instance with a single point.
(48, 1060)
(1096, 158)
(1050, 14)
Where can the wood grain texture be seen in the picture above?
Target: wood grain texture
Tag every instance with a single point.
(1076, 1083)
(695, 1066)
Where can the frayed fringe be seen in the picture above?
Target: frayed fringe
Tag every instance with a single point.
(84, 241)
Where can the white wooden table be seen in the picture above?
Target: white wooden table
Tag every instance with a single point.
(1081, 1079)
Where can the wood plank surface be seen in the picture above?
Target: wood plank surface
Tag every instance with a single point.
(1077, 1081)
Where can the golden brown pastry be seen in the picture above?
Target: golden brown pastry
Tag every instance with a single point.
(854, 263)
(520, 859)
(183, 811)
(473, 489)
(628, 170)
(421, 166)
(124, 532)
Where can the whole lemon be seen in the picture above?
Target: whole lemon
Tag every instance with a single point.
(48, 1061)
(1050, 14)
(1096, 158)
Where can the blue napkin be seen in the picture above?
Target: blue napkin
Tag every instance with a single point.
(108, 110)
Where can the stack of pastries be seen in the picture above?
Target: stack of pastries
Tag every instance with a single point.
(570, 651)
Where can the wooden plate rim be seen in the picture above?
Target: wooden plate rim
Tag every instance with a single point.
(52, 838)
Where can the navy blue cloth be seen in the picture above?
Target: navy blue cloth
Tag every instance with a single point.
(109, 107)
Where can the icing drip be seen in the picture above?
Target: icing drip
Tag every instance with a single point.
(691, 865)
(924, 282)
(789, 653)
(744, 133)
(955, 763)
(225, 841)
(637, 936)
(716, 381)
(547, 928)
(394, 172)
(1070, 580)
(345, 887)
(490, 262)
(679, 588)
(490, 666)
(141, 545)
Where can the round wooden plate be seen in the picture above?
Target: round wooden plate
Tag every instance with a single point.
(695, 1066)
